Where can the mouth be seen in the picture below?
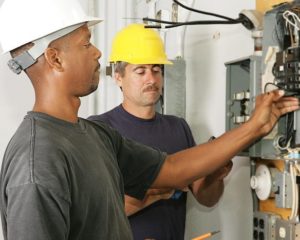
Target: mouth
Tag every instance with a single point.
(151, 88)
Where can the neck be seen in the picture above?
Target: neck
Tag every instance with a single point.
(65, 109)
(144, 112)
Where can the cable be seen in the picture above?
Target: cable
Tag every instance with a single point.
(158, 21)
(177, 24)
(295, 192)
(205, 22)
(270, 83)
(227, 20)
(206, 13)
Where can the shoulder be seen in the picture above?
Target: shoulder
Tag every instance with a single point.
(104, 117)
(174, 120)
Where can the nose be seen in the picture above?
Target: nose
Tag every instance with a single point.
(98, 53)
(152, 77)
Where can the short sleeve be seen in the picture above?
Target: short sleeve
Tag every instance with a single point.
(140, 166)
(34, 212)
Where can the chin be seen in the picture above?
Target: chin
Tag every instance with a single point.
(92, 89)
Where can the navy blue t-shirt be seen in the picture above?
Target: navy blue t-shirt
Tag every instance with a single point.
(165, 219)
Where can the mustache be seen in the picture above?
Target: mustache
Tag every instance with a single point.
(151, 87)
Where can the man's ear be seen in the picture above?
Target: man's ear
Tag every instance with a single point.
(118, 78)
(53, 59)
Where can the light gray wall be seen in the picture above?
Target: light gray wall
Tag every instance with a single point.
(206, 49)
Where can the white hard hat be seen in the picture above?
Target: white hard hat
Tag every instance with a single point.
(39, 21)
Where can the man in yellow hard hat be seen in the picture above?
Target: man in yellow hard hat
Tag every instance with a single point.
(64, 177)
(138, 54)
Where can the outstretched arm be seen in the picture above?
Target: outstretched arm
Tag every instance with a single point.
(184, 167)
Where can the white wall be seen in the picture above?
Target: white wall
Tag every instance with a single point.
(17, 97)
(206, 49)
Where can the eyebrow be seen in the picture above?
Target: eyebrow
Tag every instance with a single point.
(144, 67)
(156, 65)
(137, 67)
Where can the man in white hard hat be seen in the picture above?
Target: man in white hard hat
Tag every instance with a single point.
(64, 177)
(137, 63)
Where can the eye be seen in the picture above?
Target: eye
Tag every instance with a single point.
(88, 44)
(157, 69)
(140, 71)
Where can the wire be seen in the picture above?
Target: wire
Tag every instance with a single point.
(291, 18)
(177, 24)
(203, 12)
(295, 192)
(293, 181)
(158, 21)
(202, 22)
(292, 22)
(270, 83)
(279, 30)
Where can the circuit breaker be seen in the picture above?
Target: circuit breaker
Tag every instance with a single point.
(275, 159)
(277, 67)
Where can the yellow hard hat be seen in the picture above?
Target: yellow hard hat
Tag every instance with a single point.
(136, 44)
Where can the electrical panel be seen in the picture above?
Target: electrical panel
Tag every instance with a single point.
(264, 226)
(275, 200)
(242, 78)
(277, 66)
(274, 158)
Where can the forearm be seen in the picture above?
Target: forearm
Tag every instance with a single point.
(183, 168)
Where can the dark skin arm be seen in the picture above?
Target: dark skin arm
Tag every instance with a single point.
(209, 190)
(133, 205)
(193, 167)
(183, 168)
(206, 190)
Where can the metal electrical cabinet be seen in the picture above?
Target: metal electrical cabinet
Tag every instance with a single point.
(242, 78)
(253, 75)
(243, 83)
(275, 171)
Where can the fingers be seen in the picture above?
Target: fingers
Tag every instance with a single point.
(269, 107)
(269, 97)
(282, 105)
(185, 189)
(277, 96)
(167, 195)
(286, 105)
(159, 191)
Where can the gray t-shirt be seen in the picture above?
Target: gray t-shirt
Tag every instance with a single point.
(61, 180)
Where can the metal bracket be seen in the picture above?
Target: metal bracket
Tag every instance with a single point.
(21, 62)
